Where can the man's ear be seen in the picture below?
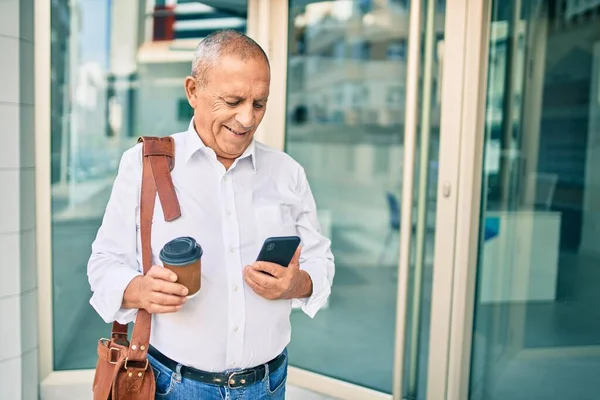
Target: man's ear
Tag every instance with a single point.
(191, 91)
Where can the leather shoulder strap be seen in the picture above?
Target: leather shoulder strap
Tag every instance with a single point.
(158, 155)
(161, 154)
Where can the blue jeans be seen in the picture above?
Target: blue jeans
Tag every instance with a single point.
(172, 386)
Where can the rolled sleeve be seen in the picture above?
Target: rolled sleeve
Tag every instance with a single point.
(316, 258)
(113, 263)
(320, 293)
(108, 302)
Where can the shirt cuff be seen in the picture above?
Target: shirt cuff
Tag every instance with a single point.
(126, 315)
(320, 293)
(108, 302)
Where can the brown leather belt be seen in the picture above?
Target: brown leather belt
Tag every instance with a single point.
(232, 380)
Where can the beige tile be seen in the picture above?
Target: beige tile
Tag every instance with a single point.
(9, 212)
(26, 73)
(9, 18)
(9, 70)
(10, 133)
(26, 19)
(18, 200)
(17, 18)
(28, 262)
(29, 376)
(72, 385)
(10, 371)
(18, 268)
(296, 393)
(10, 284)
(29, 328)
(17, 132)
(27, 199)
(10, 328)
(27, 136)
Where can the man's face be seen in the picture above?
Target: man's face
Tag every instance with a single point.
(231, 106)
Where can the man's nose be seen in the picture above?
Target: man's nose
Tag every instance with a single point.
(246, 116)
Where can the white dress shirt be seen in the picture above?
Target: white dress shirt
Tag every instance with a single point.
(230, 213)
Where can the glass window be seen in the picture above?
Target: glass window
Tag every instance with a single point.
(537, 320)
(350, 144)
(118, 74)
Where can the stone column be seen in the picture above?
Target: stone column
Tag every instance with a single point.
(18, 283)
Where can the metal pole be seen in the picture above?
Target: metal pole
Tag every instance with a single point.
(410, 133)
(413, 373)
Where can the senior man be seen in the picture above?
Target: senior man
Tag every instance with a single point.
(233, 192)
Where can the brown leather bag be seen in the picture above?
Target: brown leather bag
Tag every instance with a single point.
(122, 371)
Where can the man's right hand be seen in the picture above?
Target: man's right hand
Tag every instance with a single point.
(156, 292)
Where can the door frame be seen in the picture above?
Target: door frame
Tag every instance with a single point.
(461, 163)
(460, 180)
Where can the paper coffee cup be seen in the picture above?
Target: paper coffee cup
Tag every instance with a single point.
(183, 256)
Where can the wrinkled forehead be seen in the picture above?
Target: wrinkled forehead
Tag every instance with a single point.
(243, 78)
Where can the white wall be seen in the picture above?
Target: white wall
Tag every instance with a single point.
(18, 286)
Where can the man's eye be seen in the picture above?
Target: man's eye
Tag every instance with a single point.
(232, 103)
(258, 106)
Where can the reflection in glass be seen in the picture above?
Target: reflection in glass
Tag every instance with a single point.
(537, 320)
(117, 73)
(345, 124)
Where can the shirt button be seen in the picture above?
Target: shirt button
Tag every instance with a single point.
(228, 213)
(235, 329)
(235, 288)
(231, 249)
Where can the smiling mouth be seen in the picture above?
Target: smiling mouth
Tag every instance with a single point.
(236, 132)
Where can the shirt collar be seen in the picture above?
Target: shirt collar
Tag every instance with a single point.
(194, 143)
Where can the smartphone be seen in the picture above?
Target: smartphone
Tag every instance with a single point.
(279, 250)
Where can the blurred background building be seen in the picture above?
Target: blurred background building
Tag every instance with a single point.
(480, 144)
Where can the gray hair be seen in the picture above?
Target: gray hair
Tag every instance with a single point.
(220, 43)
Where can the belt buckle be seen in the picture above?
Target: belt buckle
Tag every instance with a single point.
(231, 379)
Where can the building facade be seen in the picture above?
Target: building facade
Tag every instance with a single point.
(453, 148)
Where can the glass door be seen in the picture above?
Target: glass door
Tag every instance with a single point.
(345, 98)
(364, 101)
(536, 330)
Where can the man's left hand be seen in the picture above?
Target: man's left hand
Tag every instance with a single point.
(273, 281)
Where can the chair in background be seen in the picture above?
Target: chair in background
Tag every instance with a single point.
(491, 228)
